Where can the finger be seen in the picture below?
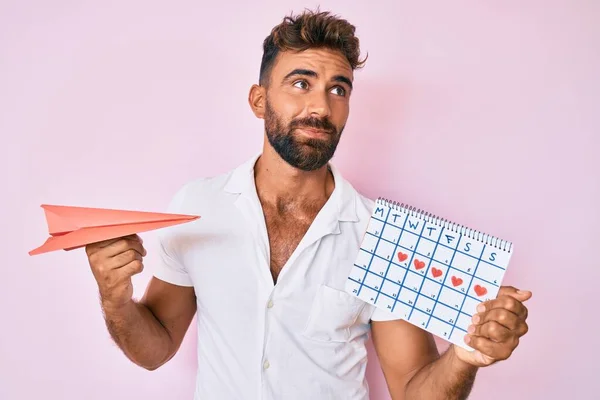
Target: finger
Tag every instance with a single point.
(122, 246)
(130, 238)
(497, 351)
(493, 331)
(132, 268)
(506, 303)
(522, 329)
(521, 295)
(504, 317)
(96, 246)
(122, 259)
(125, 245)
(127, 237)
(92, 248)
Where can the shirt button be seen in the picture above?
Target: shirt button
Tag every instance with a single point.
(266, 364)
(270, 304)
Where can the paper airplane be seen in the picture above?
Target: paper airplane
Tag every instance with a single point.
(74, 227)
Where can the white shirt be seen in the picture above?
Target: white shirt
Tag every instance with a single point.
(303, 338)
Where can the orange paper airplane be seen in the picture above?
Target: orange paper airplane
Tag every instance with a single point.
(74, 227)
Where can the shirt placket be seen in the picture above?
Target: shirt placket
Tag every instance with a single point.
(325, 223)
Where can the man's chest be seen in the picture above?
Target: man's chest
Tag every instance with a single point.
(308, 297)
(284, 235)
(230, 265)
(233, 263)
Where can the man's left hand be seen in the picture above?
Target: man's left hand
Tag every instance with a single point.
(496, 328)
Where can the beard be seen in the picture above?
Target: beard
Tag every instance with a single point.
(308, 154)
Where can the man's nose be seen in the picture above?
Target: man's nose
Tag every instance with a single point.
(318, 105)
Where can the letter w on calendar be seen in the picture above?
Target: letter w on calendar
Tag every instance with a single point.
(426, 270)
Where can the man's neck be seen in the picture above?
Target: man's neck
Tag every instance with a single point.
(278, 182)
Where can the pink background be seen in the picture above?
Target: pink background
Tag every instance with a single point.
(485, 112)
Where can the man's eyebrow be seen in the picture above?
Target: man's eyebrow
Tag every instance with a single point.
(344, 79)
(301, 71)
(308, 72)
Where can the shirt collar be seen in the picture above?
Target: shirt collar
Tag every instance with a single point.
(241, 181)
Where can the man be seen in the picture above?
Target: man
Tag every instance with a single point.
(265, 266)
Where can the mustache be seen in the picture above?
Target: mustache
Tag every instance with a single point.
(314, 123)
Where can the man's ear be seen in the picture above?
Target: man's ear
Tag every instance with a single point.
(257, 98)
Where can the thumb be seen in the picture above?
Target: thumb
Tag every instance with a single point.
(521, 295)
(524, 295)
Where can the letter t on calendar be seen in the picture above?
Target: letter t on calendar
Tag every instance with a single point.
(428, 271)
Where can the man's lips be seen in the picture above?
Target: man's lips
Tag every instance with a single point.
(313, 132)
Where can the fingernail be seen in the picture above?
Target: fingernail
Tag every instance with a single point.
(467, 339)
(471, 329)
(481, 308)
(476, 319)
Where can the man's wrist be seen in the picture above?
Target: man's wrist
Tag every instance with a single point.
(459, 364)
(111, 307)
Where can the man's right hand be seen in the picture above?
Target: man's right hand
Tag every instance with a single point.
(113, 263)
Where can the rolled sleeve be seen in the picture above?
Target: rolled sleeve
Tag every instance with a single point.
(384, 315)
(170, 267)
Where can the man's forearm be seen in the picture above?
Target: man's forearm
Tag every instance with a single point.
(138, 333)
(447, 378)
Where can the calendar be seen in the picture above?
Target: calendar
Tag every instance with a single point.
(431, 272)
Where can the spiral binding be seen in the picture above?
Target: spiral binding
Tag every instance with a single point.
(489, 240)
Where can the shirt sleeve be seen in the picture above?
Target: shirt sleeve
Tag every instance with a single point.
(384, 315)
(170, 267)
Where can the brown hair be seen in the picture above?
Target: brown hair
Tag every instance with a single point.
(311, 29)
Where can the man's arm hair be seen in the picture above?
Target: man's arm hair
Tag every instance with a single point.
(412, 366)
(150, 331)
(445, 378)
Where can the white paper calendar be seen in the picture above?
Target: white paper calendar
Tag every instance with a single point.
(431, 272)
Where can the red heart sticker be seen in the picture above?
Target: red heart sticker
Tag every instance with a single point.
(480, 290)
(436, 272)
(402, 256)
(419, 264)
(456, 281)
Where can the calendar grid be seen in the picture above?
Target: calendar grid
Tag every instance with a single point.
(374, 251)
(389, 223)
(426, 271)
(411, 290)
(387, 295)
(441, 244)
(392, 257)
(428, 278)
(455, 269)
(408, 269)
(470, 283)
(437, 297)
(386, 272)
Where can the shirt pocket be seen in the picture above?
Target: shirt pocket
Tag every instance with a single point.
(333, 315)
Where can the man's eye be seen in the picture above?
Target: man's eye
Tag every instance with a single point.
(301, 84)
(340, 91)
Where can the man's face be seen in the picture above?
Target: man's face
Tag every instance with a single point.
(307, 105)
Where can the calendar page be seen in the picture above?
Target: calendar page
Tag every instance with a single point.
(427, 271)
